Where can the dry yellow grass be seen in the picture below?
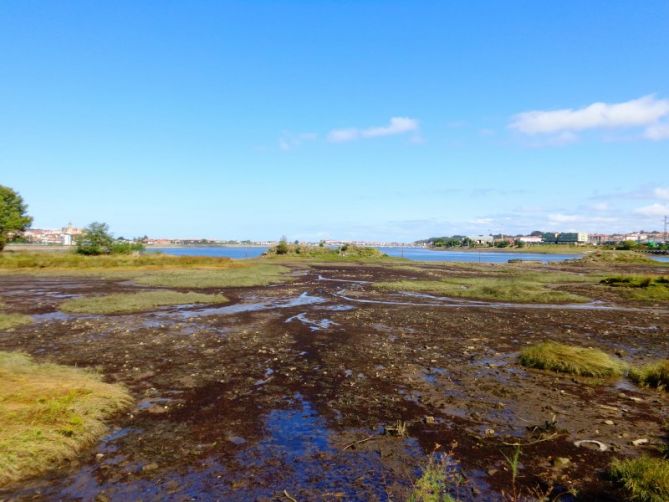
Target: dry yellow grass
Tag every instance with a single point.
(580, 361)
(654, 374)
(49, 413)
(119, 303)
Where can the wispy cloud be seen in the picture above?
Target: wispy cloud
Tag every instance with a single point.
(578, 218)
(648, 112)
(396, 125)
(656, 209)
(661, 193)
(289, 141)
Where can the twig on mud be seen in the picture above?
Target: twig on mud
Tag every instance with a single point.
(287, 495)
(549, 438)
(368, 438)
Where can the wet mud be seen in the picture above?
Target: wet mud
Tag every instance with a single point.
(297, 390)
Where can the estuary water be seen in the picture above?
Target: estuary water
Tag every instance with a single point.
(411, 253)
(236, 252)
(423, 254)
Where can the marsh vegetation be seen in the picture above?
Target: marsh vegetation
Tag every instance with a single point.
(308, 358)
(581, 361)
(49, 413)
(121, 303)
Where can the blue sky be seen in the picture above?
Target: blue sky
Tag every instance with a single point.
(377, 120)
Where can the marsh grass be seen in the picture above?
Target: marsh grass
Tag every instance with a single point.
(8, 321)
(652, 375)
(49, 413)
(22, 261)
(256, 274)
(640, 287)
(135, 302)
(645, 478)
(579, 361)
(511, 289)
(617, 258)
(435, 482)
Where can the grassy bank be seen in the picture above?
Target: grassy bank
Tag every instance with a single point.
(135, 302)
(324, 253)
(255, 274)
(8, 321)
(601, 257)
(508, 289)
(640, 288)
(19, 261)
(579, 361)
(49, 413)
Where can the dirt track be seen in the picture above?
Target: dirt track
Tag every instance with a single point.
(272, 391)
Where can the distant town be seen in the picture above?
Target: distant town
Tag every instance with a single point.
(66, 236)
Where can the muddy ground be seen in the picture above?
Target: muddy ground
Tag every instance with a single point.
(295, 389)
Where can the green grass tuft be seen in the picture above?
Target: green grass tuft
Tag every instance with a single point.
(8, 321)
(617, 257)
(507, 289)
(434, 483)
(652, 375)
(569, 359)
(49, 413)
(640, 288)
(251, 275)
(645, 478)
(135, 302)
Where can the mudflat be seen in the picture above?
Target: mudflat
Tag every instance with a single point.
(330, 387)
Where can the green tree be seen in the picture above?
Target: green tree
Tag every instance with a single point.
(95, 240)
(282, 247)
(13, 214)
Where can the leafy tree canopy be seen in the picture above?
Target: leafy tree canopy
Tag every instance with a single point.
(13, 214)
(95, 239)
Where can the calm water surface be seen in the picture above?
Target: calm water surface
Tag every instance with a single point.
(411, 253)
(422, 254)
(237, 252)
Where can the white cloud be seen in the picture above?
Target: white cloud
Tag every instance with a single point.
(600, 206)
(578, 218)
(656, 209)
(645, 112)
(289, 141)
(397, 125)
(662, 193)
(482, 221)
(657, 132)
(341, 135)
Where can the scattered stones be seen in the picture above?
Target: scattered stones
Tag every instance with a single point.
(640, 442)
(591, 442)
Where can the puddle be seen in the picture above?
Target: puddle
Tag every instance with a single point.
(338, 308)
(432, 375)
(311, 324)
(52, 316)
(625, 385)
(321, 278)
(298, 301)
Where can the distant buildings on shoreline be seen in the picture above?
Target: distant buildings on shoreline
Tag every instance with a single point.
(67, 235)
